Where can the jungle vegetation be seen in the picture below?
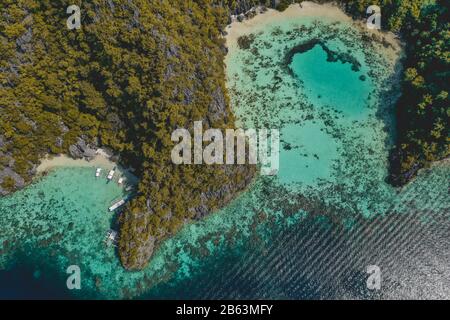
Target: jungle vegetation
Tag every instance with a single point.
(422, 112)
(139, 69)
(136, 71)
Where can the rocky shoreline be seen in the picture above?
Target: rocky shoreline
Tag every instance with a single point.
(144, 248)
(81, 150)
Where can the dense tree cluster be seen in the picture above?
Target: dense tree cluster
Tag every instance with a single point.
(139, 69)
(136, 71)
(423, 113)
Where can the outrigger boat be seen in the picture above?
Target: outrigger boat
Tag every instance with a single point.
(117, 205)
(111, 238)
(111, 173)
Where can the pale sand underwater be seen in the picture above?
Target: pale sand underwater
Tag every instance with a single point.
(301, 11)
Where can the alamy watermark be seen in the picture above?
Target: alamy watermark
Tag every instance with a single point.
(74, 21)
(74, 280)
(374, 280)
(374, 21)
(260, 149)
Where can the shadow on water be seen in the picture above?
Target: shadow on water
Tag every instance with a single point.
(388, 102)
(387, 112)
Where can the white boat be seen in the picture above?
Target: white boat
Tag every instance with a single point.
(111, 238)
(121, 180)
(111, 174)
(97, 173)
(112, 235)
(117, 205)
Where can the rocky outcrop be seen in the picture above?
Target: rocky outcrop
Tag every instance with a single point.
(218, 106)
(136, 252)
(82, 150)
(398, 177)
(9, 179)
(246, 7)
(8, 174)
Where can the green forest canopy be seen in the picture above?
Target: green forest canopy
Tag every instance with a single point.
(139, 69)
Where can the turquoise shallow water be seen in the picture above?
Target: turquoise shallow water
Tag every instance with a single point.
(332, 84)
(307, 233)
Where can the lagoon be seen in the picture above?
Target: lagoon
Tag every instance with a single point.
(309, 232)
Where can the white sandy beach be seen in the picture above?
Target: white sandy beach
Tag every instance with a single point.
(65, 161)
(101, 160)
(304, 10)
